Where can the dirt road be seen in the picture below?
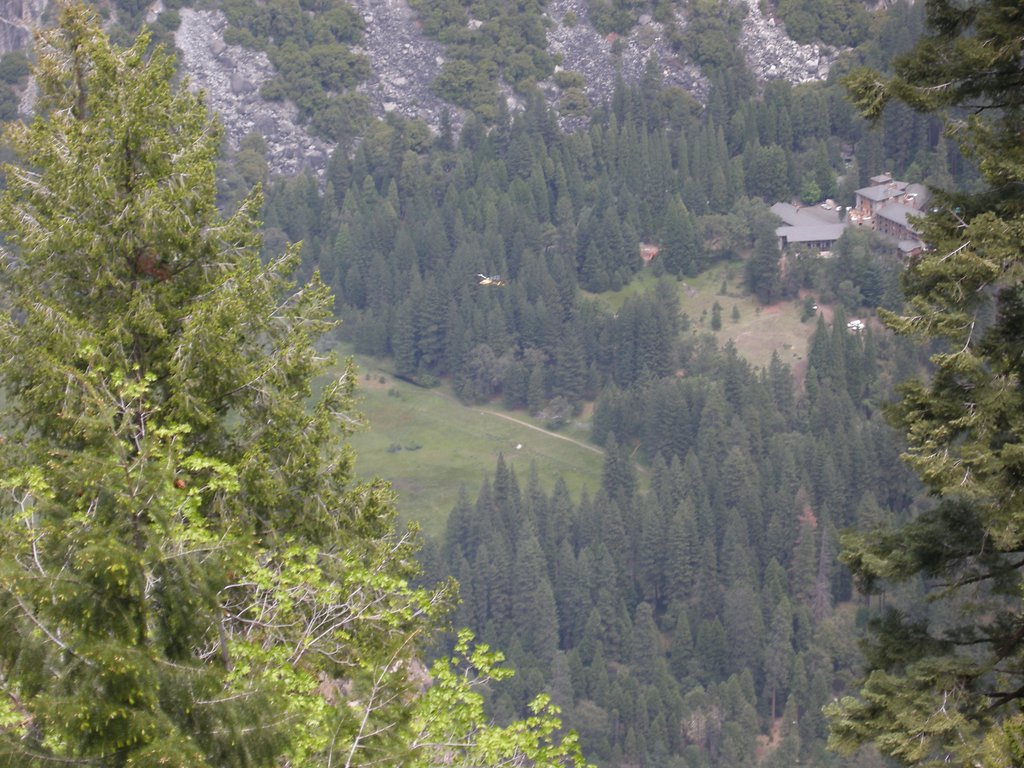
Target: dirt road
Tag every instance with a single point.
(548, 432)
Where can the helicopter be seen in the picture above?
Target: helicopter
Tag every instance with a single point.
(494, 280)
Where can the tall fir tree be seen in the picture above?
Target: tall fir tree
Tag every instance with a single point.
(176, 519)
(951, 689)
(190, 575)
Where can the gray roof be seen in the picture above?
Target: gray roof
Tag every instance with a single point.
(920, 195)
(813, 233)
(787, 212)
(806, 216)
(898, 213)
(883, 191)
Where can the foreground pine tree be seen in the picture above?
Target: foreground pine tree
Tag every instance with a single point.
(189, 573)
(945, 684)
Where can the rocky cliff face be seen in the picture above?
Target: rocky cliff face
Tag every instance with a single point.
(773, 56)
(405, 62)
(599, 59)
(18, 19)
(231, 77)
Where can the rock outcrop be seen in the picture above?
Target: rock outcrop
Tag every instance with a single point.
(773, 56)
(231, 77)
(405, 62)
(18, 20)
(603, 58)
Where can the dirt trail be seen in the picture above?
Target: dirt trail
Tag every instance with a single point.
(548, 432)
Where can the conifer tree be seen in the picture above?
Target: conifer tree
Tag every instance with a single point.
(951, 689)
(183, 551)
(680, 244)
(762, 270)
(190, 575)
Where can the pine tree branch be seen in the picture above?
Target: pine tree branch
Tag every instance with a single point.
(1008, 647)
(1003, 698)
(987, 575)
(51, 636)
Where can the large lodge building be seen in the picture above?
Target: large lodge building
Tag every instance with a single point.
(886, 206)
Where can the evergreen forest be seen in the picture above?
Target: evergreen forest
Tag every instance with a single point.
(705, 621)
(766, 561)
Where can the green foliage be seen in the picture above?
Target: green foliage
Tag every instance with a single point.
(190, 574)
(487, 42)
(569, 79)
(833, 22)
(402, 231)
(574, 102)
(900, 718)
(8, 103)
(810, 192)
(168, 21)
(864, 272)
(808, 308)
(681, 251)
(766, 173)
(14, 67)
(242, 171)
(406, 227)
(713, 33)
(188, 566)
(14, 70)
(949, 65)
(613, 16)
(469, 85)
(708, 598)
(763, 277)
(452, 727)
(309, 45)
(963, 425)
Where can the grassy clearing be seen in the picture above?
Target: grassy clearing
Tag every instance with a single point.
(428, 445)
(613, 300)
(757, 333)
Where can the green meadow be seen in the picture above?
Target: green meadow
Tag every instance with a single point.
(429, 445)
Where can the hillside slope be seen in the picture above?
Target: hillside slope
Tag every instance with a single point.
(404, 63)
